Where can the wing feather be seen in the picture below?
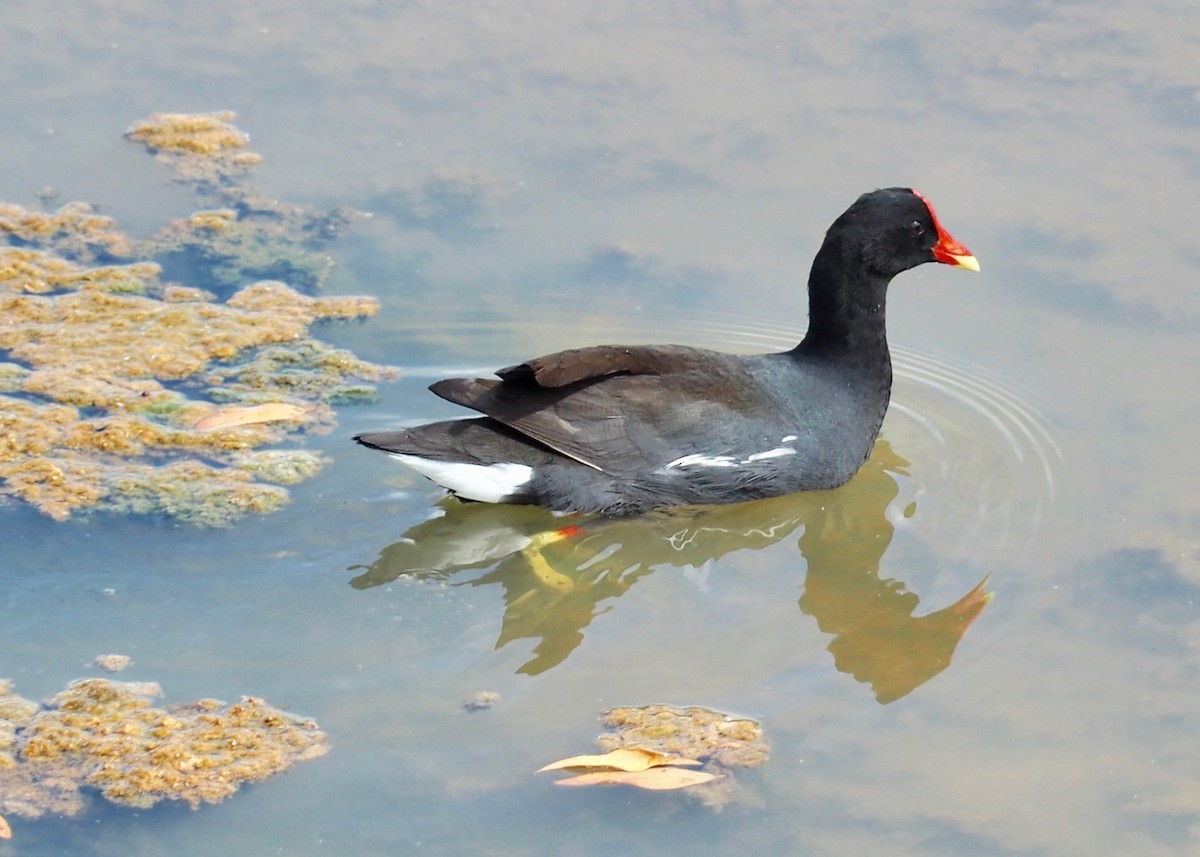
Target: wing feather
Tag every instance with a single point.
(583, 364)
(624, 410)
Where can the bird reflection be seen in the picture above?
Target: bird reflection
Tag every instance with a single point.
(557, 572)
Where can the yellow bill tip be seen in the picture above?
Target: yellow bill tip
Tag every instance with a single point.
(965, 261)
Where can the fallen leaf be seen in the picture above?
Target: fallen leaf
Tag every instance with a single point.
(657, 779)
(241, 415)
(5, 830)
(622, 759)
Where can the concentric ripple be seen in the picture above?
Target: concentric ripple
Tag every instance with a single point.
(984, 459)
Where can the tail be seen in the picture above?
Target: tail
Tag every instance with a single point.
(479, 459)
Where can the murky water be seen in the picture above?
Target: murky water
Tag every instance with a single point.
(665, 173)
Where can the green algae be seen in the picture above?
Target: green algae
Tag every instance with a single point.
(109, 737)
(281, 466)
(193, 492)
(310, 369)
(109, 362)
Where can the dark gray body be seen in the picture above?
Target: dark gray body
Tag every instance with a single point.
(622, 429)
(608, 443)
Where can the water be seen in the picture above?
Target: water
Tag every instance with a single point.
(665, 174)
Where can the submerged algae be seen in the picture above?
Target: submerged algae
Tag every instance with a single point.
(108, 736)
(110, 365)
(242, 233)
(262, 238)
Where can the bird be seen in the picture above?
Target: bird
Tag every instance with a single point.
(621, 430)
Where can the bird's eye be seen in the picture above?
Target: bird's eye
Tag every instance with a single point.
(916, 228)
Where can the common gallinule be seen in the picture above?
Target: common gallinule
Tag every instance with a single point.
(623, 429)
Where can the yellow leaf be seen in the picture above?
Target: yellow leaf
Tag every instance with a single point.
(242, 415)
(621, 759)
(5, 830)
(657, 779)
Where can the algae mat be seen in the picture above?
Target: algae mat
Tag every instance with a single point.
(111, 367)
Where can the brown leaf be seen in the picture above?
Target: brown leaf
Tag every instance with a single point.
(657, 779)
(241, 415)
(622, 759)
(5, 830)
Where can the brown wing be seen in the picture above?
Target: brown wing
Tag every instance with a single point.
(659, 405)
(582, 364)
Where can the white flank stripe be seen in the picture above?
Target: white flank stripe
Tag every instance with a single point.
(771, 453)
(698, 460)
(487, 483)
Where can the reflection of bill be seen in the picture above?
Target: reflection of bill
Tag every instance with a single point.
(555, 574)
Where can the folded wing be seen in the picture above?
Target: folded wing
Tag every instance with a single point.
(624, 410)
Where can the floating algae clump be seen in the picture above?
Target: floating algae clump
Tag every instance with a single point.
(75, 230)
(721, 741)
(198, 146)
(97, 363)
(109, 736)
(107, 365)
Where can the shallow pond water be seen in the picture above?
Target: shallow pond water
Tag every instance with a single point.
(544, 176)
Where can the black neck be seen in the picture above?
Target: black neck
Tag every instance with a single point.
(845, 311)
